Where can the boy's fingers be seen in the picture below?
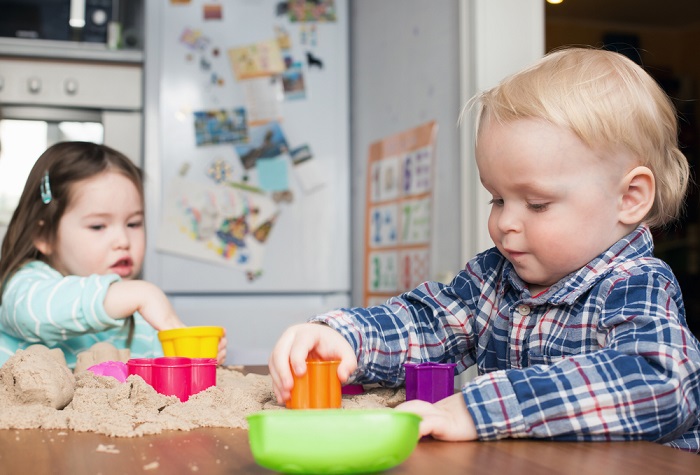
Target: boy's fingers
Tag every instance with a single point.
(348, 364)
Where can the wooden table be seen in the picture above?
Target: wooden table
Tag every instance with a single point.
(224, 451)
(215, 451)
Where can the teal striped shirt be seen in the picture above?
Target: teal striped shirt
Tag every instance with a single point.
(39, 305)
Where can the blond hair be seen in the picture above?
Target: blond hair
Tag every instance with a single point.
(610, 103)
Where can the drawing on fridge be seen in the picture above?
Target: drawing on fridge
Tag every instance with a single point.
(247, 164)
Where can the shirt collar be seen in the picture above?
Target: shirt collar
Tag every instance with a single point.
(638, 243)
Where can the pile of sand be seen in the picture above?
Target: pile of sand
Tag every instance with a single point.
(37, 391)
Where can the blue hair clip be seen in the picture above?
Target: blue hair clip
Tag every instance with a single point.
(45, 189)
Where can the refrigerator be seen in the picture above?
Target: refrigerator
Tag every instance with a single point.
(247, 168)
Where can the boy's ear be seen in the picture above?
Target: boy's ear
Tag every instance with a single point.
(638, 192)
(42, 245)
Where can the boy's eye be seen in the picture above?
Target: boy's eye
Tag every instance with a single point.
(537, 207)
(97, 227)
(496, 202)
(135, 224)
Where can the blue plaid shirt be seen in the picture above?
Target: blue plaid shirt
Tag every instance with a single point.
(604, 354)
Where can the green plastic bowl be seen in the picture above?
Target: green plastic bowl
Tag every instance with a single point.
(332, 440)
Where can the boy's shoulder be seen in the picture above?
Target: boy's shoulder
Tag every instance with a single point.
(649, 266)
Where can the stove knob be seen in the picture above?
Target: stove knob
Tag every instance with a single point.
(71, 86)
(34, 85)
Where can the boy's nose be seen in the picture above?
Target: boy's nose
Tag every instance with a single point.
(508, 220)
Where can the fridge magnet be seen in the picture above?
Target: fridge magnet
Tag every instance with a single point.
(265, 141)
(313, 61)
(302, 34)
(282, 8)
(300, 154)
(285, 196)
(263, 97)
(311, 10)
(212, 11)
(263, 231)
(184, 169)
(312, 35)
(255, 60)
(220, 171)
(194, 39)
(216, 80)
(283, 39)
(220, 126)
(293, 83)
(272, 174)
(216, 223)
(245, 186)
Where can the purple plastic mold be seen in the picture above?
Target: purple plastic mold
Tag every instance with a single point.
(429, 381)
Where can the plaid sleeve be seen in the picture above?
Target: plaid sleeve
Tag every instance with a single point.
(434, 322)
(644, 382)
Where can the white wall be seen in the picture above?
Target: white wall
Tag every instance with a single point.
(404, 71)
(504, 37)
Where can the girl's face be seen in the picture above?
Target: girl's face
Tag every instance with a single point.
(556, 204)
(102, 229)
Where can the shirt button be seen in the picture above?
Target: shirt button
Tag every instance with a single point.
(523, 310)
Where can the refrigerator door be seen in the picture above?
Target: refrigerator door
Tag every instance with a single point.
(303, 211)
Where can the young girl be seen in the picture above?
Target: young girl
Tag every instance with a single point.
(72, 255)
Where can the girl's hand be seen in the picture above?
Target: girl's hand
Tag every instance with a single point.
(301, 341)
(447, 419)
(221, 355)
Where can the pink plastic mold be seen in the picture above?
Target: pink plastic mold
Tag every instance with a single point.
(175, 376)
(429, 381)
(115, 369)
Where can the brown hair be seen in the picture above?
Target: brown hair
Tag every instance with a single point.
(66, 163)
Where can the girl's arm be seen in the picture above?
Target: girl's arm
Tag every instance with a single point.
(125, 297)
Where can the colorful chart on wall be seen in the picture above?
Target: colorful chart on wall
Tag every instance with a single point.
(398, 213)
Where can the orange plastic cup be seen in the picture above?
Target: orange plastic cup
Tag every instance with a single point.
(319, 388)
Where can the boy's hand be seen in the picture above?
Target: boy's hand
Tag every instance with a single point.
(221, 354)
(307, 340)
(447, 419)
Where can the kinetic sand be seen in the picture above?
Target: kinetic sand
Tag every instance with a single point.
(38, 391)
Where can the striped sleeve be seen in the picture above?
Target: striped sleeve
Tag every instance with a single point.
(41, 305)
